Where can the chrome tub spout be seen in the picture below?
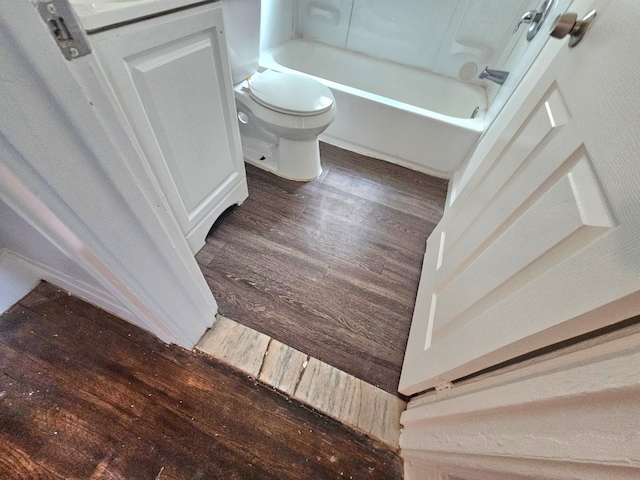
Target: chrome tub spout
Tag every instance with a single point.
(497, 76)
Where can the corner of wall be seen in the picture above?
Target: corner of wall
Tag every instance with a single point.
(19, 275)
(17, 278)
(418, 471)
(277, 22)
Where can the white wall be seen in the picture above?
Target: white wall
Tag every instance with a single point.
(428, 34)
(325, 20)
(26, 257)
(276, 23)
(21, 238)
(16, 279)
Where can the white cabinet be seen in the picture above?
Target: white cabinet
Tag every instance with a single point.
(171, 77)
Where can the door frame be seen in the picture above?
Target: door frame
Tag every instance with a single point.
(72, 171)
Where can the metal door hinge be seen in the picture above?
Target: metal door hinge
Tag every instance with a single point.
(65, 27)
(444, 386)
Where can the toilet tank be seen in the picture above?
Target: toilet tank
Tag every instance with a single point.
(242, 31)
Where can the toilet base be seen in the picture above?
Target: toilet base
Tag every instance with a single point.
(291, 159)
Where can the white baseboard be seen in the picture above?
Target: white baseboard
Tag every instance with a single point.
(385, 157)
(80, 289)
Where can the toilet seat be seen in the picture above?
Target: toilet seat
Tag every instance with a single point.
(290, 93)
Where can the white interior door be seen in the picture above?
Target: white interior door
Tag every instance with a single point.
(542, 243)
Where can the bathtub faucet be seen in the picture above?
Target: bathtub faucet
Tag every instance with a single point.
(497, 76)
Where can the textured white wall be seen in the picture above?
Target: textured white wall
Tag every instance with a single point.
(17, 277)
(21, 238)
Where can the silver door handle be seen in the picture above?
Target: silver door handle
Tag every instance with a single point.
(568, 24)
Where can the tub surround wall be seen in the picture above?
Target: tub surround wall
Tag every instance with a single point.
(327, 21)
(276, 22)
(420, 91)
(432, 35)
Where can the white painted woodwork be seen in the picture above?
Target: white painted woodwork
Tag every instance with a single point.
(570, 414)
(27, 257)
(69, 169)
(98, 14)
(171, 76)
(16, 279)
(544, 233)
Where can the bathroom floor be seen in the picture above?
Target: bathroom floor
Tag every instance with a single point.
(84, 394)
(329, 267)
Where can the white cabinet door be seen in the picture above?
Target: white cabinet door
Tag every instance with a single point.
(542, 244)
(171, 77)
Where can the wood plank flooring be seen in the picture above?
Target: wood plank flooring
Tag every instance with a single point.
(86, 395)
(330, 267)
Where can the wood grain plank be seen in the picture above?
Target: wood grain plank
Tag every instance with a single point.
(291, 196)
(384, 173)
(395, 221)
(330, 267)
(293, 311)
(62, 430)
(126, 406)
(132, 450)
(306, 263)
(355, 230)
(379, 290)
(332, 239)
(205, 255)
(382, 194)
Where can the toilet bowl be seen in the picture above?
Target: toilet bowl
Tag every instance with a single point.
(280, 115)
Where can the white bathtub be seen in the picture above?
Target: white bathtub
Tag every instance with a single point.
(400, 114)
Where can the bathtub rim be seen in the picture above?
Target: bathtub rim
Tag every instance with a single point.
(471, 129)
(477, 124)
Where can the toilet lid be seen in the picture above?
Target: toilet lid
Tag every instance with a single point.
(291, 93)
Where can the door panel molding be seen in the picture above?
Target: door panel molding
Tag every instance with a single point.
(545, 231)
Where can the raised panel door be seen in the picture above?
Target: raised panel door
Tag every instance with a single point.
(541, 245)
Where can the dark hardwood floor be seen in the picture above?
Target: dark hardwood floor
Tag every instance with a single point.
(329, 267)
(86, 395)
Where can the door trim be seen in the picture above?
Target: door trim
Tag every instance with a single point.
(555, 416)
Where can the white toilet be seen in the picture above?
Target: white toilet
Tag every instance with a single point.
(280, 114)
